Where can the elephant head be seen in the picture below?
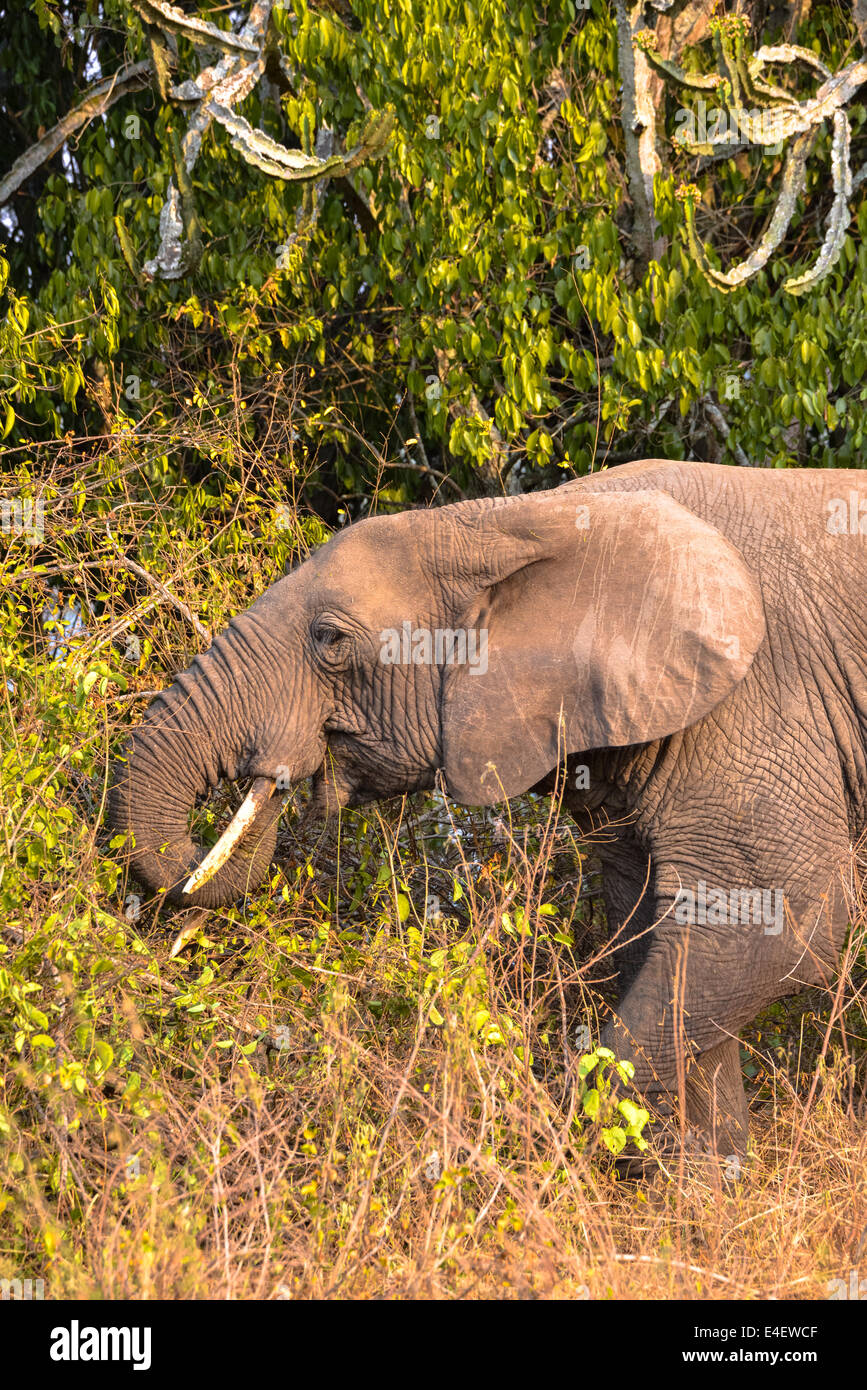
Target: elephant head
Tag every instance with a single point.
(485, 640)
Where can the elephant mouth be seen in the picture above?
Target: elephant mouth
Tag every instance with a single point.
(348, 782)
(330, 793)
(245, 818)
(256, 799)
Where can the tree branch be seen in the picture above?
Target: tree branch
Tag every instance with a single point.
(639, 130)
(719, 422)
(165, 593)
(95, 103)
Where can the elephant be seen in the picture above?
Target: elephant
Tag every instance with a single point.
(679, 646)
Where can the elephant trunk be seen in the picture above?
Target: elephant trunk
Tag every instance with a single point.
(205, 727)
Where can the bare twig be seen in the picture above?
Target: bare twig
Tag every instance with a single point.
(169, 597)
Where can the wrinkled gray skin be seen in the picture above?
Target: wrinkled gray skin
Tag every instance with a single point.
(695, 635)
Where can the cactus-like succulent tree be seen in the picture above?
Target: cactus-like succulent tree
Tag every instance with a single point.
(766, 115)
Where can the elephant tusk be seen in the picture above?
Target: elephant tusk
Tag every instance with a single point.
(257, 796)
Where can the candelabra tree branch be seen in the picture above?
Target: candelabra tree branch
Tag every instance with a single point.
(754, 111)
(207, 98)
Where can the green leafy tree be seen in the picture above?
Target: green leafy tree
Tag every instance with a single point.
(459, 278)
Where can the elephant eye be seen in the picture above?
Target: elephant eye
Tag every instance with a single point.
(327, 636)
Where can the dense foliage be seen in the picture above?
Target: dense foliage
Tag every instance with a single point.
(475, 289)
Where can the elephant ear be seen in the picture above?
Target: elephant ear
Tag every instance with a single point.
(612, 618)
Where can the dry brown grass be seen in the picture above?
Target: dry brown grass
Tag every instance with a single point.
(219, 1210)
(305, 1169)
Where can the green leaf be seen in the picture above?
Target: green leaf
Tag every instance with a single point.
(614, 1139)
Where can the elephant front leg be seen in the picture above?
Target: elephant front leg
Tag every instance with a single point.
(681, 1042)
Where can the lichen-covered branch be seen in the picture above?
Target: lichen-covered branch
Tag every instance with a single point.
(794, 175)
(787, 53)
(645, 41)
(213, 94)
(170, 19)
(210, 96)
(275, 159)
(223, 83)
(639, 129)
(840, 215)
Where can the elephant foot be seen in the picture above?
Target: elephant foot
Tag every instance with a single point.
(671, 1152)
(713, 1131)
(710, 1129)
